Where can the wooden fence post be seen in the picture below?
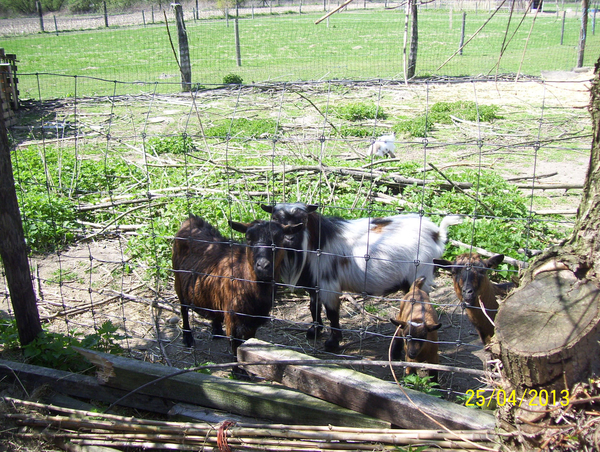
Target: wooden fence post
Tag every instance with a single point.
(462, 33)
(236, 26)
(583, 32)
(13, 249)
(562, 30)
(184, 50)
(105, 15)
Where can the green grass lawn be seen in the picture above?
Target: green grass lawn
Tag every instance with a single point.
(355, 45)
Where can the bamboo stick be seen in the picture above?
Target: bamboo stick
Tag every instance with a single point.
(87, 428)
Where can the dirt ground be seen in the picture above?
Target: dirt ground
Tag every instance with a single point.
(98, 290)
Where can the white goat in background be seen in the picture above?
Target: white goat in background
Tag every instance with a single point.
(383, 146)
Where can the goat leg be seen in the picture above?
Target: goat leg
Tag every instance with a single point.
(333, 343)
(188, 338)
(316, 329)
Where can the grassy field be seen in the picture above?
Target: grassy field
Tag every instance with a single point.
(355, 45)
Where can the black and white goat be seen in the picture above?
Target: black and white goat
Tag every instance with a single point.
(376, 256)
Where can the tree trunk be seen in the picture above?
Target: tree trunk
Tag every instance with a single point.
(548, 331)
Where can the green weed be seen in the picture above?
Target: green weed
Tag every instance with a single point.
(422, 384)
(359, 111)
(232, 79)
(442, 113)
(55, 350)
(242, 127)
(172, 145)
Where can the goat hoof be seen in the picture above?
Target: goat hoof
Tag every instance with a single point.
(332, 344)
(240, 374)
(314, 332)
(188, 339)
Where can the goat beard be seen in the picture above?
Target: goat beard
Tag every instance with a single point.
(294, 262)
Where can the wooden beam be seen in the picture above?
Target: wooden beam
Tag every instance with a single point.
(30, 377)
(360, 392)
(262, 401)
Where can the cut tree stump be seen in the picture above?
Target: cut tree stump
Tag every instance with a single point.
(384, 400)
(547, 332)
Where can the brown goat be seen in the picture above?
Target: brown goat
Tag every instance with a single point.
(472, 285)
(227, 281)
(418, 323)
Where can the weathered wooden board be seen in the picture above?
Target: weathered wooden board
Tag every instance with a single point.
(360, 392)
(83, 386)
(258, 400)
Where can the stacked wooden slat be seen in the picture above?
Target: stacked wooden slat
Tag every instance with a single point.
(9, 94)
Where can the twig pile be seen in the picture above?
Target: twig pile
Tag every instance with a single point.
(62, 425)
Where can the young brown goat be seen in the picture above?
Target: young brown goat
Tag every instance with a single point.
(418, 322)
(472, 285)
(227, 281)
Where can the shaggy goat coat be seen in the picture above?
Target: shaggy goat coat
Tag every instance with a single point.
(472, 285)
(375, 256)
(418, 323)
(227, 281)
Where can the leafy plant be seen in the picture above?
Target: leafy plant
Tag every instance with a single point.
(442, 113)
(55, 350)
(61, 275)
(9, 335)
(232, 79)
(104, 339)
(362, 132)
(173, 145)
(243, 127)
(416, 127)
(360, 111)
(422, 384)
(48, 221)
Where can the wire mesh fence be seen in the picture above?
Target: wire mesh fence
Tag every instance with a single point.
(108, 180)
(362, 42)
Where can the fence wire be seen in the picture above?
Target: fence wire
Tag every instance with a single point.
(104, 183)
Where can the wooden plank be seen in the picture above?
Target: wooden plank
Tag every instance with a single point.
(245, 398)
(360, 392)
(75, 385)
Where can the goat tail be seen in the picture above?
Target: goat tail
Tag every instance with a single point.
(447, 221)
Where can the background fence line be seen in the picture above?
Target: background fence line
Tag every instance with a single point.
(354, 45)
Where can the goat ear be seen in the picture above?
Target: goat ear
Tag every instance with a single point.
(437, 326)
(443, 263)
(293, 228)
(268, 209)
(494, 261)
(311, 207)
(240, 227)
(419, 282)
(395, 322)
